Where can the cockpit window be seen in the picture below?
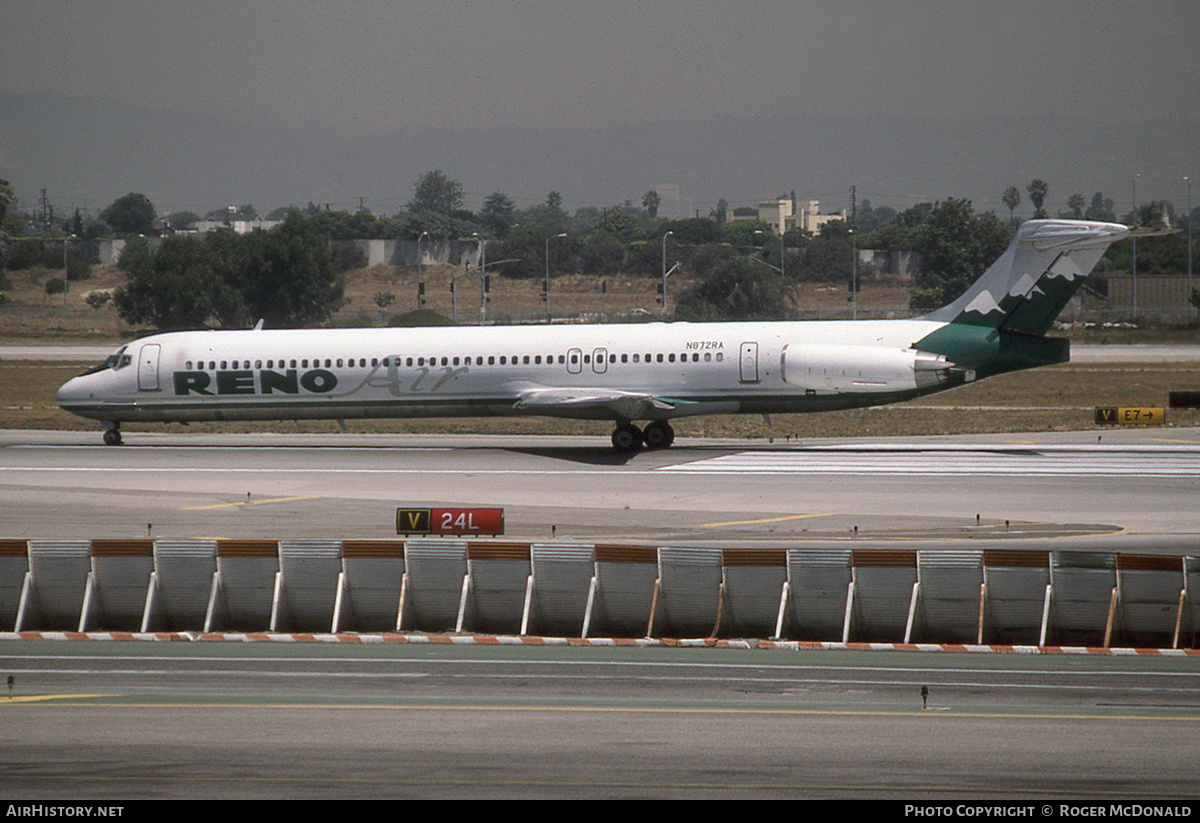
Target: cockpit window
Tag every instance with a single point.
(117, 360)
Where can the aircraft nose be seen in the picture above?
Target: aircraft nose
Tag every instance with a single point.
(73, 391)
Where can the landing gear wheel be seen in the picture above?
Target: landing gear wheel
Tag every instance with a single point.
(112, 437)
(659, 435)
(627, 438)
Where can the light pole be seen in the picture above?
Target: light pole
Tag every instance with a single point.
(546, 287)
(67, 271)
(1133, 271)
(853, 275)
(1188, 300)
(483, 281)
(664, 271)
(420, 270)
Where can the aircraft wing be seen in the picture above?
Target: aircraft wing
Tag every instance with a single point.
(628, 405)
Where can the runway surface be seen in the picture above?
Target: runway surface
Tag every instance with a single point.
(1130, 486)
(120, 721)
(194, 720)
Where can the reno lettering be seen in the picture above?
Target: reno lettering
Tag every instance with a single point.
(247, 381)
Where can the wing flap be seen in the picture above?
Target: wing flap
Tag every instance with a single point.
(627, 405)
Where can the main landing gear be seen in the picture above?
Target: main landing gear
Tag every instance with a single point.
(628, 438)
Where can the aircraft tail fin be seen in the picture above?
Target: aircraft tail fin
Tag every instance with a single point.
(1029, 285)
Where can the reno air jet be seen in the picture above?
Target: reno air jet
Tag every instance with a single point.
(653, 372)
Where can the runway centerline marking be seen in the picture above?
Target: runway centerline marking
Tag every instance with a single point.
(247, 503)
(764, 520)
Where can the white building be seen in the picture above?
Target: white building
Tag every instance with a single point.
(782, 215)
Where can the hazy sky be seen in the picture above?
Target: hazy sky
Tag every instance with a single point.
(360, 66)
(369, 64)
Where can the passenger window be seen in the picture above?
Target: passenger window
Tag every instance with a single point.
(708, 357)
(720, 356)
(491, 359)
(526, 361)
(671, 357)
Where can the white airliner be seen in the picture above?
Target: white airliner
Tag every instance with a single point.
(651, 372)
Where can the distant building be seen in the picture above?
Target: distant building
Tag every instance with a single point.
(240, 226)
(781, 215)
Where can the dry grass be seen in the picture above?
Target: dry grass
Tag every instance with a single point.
(29, 314)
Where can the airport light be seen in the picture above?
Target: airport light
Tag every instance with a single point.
(547, 285)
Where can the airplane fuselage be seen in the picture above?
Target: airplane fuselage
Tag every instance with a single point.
(653, 372)
(700, 368)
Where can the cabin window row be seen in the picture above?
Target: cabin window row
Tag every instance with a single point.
(480, 360)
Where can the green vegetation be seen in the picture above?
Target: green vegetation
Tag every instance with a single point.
(726, 265)
(284, 277)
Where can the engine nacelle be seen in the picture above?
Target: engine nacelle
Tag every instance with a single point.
(836, 369)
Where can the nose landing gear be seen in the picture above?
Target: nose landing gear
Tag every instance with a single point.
(112, 436)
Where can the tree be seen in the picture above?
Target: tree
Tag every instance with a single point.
(1037, 195)
(1101, 208)
(1076, 203)
(554, 201)
(650, 202)
(956, 247)
(287, 275)
(184, 285)
(436, 193)
(735, 290)
(7, 196)
(131, 214)
(721, 212)
(1012, 199)
(499, 204)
